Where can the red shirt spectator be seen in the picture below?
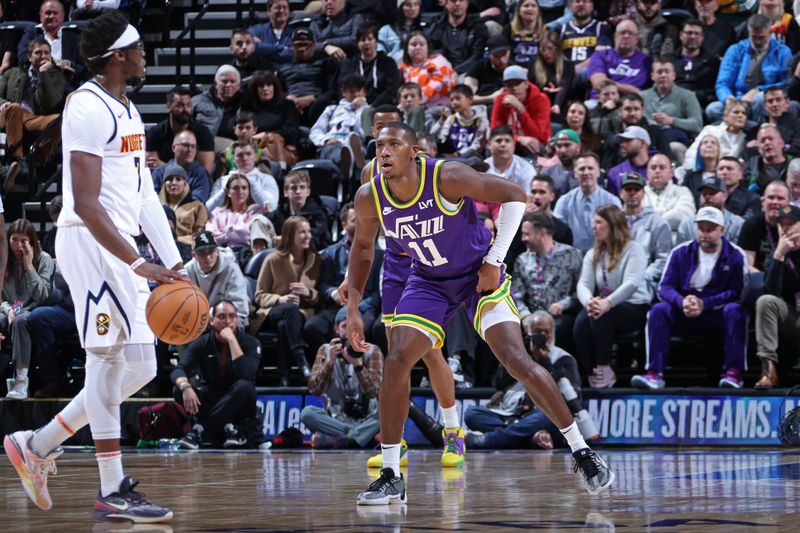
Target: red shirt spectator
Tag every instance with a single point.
(522, 107)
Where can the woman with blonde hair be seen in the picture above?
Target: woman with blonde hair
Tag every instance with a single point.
(286, 293)
(551, 73)
(729, 133)
(526, 29)
(613, 294)
(708, 155)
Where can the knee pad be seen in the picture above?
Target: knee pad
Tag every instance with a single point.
(140, 367)
(103, 393)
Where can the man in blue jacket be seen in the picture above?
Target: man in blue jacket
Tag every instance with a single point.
(701, 292)
(274, 38)
(749, 67)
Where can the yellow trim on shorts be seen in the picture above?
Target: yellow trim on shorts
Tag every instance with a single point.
(416, 197)
(422, 323)
(387, 319)
(437, 195)
(503, 292)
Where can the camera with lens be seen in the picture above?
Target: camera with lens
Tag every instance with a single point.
(356, 407)
(347, 347)
(537, 340)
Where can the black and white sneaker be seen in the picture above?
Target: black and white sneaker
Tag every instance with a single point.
(233, 439)
(387, 489)
(190, 441)
(596, 473)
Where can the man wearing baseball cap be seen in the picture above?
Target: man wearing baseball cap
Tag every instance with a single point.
(568, 147)
(713, 192)
(701, 292)
(523, 107)
(486, 76)
(634, 144)
(778, 309)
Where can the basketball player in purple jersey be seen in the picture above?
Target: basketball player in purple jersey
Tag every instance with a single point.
(427, 207)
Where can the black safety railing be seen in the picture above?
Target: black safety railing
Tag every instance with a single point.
(251, 13)
(177, 43)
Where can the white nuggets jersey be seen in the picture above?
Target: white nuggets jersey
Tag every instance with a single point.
(97, 123)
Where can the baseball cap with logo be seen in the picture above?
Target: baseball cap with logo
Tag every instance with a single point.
(635, 132)
(632, 178)
(204, 240)
(713, 182)
(790, 212)
(567, 135)
(710, 214)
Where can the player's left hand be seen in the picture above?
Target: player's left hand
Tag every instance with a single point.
(158, 273)
(488, 278)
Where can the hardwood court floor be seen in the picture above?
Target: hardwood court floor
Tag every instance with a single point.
(660, 491)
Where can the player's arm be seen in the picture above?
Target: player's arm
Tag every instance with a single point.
(154, 223)
(362, 254)
(87, 174)
(366, 173)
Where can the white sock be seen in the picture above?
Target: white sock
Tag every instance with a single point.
(22, 373)
(574, 437)
(111, 475)
(450, 415)
(61, 427)
(391, 457)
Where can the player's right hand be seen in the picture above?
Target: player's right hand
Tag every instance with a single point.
(158, 273)
(355, 332)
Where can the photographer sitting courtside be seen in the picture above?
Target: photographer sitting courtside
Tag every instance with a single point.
(227, 360)
(349, 382)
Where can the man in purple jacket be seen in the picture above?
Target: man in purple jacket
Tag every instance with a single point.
(701, 292)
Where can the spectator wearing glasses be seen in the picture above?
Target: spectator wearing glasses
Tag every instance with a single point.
(184, 149)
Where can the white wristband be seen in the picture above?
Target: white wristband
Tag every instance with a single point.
(136, 264)
(507, 224)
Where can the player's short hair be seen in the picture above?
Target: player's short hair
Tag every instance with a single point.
(343, 212)
(500, 130)
(37, 42)
(243, 117)
(540, 220)
(464, 90)
(296, 176)
(101, 33)
(409, 131)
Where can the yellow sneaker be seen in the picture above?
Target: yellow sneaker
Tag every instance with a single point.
(454, 447)
(376, 461)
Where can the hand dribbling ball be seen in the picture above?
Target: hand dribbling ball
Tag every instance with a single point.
(177, 312)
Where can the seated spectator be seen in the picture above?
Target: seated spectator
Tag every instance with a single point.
(584, 34)
(431, 71)
(485, 78)
(605, 118)
(460, 37)
(523, 107)
(545, 275)
(612, 292)
(672, 108)
(184, 149)
(503, 162)
(273, 38)
(770, 163)
(776, 309)
(782, 112)
(674, 203)
(510, 419)
(287, 295)
(708, 155)
(783, 24)
(190, 214)
(31, 99)
(409, 101)
(310, 82)
(65, 49)
(244, 127)
(793, 180)
(349, 382)
(646, 227)
(741, 201)
(391, 36)
(335, 259)
(239, 223)
(245, 59)
(275, 118)
(298, 201)
(337, 133)
(227, 359)
(760, 233)
(634, 144)
(623, 64)
(27, 285)
(657, 36)
(160, 137)
(335, 32)
(568, 147)
(525, 31)
(461, 129)
(552, 73)
(48, 242)
(215, 271)
(720, 35)
(577, 207)
(216, 107)
(701, 292)
(713, 193)
(695, 67)
(729, 133)
(263, 187)
(631, 113)
(736, 79)
(576, 118)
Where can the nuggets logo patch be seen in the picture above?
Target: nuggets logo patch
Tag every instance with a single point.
(102, 322)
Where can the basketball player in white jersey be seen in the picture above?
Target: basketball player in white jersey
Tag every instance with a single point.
(108, 194)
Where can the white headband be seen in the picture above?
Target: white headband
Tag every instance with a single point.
(129, 37)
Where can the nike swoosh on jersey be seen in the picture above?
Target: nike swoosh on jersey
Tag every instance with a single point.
(120, 115)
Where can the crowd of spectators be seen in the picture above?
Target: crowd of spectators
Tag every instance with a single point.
(656, 140)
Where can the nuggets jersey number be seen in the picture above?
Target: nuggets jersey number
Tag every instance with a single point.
(444, 240)
(98, 123)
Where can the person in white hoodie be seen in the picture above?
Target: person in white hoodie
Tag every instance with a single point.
(674, 203)
(217, 273)
(263, 186)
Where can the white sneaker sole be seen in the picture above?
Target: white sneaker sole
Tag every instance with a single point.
(386, 500)
(601, 488)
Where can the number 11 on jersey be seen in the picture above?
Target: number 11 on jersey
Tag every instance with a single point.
(436, 257)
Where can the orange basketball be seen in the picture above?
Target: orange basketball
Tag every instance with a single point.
(177, 312)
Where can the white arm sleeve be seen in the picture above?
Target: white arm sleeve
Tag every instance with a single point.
(156, 227)
(507, 224)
